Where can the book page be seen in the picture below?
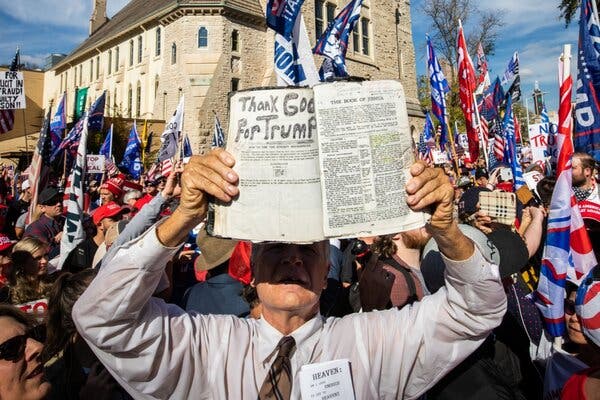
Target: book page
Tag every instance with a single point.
(365, 150)
(273, 137)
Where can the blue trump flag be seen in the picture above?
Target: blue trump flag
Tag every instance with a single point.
(439, 87)
(106, 148)
(95, 122)
(334, 42)
(132, 158)
(282, 14)
(59, 121)
(586, 137)
(510, 149)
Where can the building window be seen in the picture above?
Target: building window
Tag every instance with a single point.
(91, 69)
(235, 37)
(356, 38)
(75, 77)
(202, 37)
(157, 48)
(140, 49)
(115, 105)
(62, 83)
(138, 99)
(97, 67)
(130, 53)
(130, 101)
(81, 74)
(235, 84)
(117, 59)
(319, 27)
(364, 22)
(66, 79)
(330, 13)
(156, 82)
(173, 53)
(109, 62)
(107, 103)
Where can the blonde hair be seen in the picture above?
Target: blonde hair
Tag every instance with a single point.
(29, 244)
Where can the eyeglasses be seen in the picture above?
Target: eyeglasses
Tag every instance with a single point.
(14, 348)
(569, 307)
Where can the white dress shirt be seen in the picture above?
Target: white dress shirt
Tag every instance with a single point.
(158, 351)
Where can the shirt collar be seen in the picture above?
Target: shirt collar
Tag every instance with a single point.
(269, 337)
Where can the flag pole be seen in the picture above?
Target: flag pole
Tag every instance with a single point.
(479, 132)
(452, 147)
(26, 140)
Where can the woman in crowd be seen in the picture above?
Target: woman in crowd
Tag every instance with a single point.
(21, 371)
(29, 280)
(72, 368)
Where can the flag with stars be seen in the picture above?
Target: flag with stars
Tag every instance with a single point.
(587, 110)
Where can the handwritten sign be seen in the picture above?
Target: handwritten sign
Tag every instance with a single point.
(439, 157)
(543, 142)
(327, 380)
(12, 90)
(95, 163)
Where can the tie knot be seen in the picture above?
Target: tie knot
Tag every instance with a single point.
(286, 346)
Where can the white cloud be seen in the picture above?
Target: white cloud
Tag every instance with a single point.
(36, 59)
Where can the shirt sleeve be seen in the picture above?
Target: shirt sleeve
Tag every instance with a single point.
(410, 349)
(153, 349)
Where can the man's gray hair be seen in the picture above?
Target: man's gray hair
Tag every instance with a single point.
(132, 194)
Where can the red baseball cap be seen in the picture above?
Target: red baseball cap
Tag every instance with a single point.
(108, 210)
(5, 242)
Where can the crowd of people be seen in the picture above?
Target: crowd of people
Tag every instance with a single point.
(150, 305)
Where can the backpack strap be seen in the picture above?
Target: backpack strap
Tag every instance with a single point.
(410, 282)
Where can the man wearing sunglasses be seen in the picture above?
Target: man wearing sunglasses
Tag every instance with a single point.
(157, 351)
(21, 370)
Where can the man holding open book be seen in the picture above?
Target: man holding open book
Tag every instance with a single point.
(157, 350)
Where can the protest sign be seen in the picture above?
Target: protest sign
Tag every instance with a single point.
(318, 163)
(531, 180)
(95, 164)
(327, 380)
(439, 157)
(542, 138)
(12, 90)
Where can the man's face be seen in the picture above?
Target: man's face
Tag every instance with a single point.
(106, 223)
(106, 196)
(151, 190)
(580, 175)
(53, 211)
(482, 181)
(291, 277)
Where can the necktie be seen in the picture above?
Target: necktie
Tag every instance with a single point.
(278, 383)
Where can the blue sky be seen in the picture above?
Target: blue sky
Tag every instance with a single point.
(41, 27)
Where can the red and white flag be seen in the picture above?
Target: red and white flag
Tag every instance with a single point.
(166, 168)
(467, 83)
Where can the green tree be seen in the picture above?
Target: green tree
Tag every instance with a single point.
(569, 8)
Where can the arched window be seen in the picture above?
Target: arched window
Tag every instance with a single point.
(97, 67)
(117, 59)
(109, 64)
(140, 49)
(131, 52)
(138, 99)
(202, 37)
(157, 48)
(235, 38)
(173, 53)
(130, 101)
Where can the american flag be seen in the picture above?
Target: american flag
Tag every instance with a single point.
(151, 174)
(568, 251)
(483, 81)
(424, 150)
(111, 168)
(38, 170)
(499, 145)
(485, 133)
(166, 167)
(218, 136)
(586, 305)
(7, 117)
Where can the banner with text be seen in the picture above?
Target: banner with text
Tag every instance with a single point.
(12, 90)
(543, 142)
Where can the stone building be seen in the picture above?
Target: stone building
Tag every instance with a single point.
(153, 51)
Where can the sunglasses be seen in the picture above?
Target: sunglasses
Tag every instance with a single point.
(14, 348)
(569, 307)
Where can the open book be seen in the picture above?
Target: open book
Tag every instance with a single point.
(327, 162)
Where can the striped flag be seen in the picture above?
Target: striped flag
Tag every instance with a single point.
(7, 117)
(38, 170)
(510, 148)
(485, 133)
(568, 252)
(512, 69)
(499, 145)
(166, 167)
(73, 232)
(483, 81)
(426, 141)
(218, 135)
